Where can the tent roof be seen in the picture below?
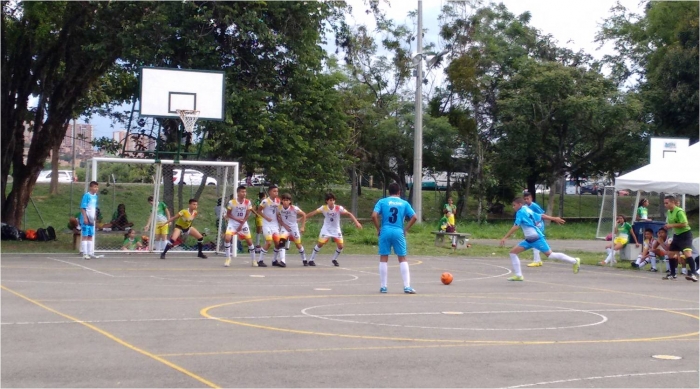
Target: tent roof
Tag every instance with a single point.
(679, 174)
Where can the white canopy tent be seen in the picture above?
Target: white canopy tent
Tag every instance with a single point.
(679, 174)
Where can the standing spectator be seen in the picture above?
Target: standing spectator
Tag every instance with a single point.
(642, 211)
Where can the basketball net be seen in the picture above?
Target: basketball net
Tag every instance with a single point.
(189, 118)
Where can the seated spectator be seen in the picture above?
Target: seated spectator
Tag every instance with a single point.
(119, 219)
(623, 231)
(131, 243)
(660, 247)
(647, 255)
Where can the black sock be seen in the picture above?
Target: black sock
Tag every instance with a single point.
(169, 246)
(199, 245)
(673, 264)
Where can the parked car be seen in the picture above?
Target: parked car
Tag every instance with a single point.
(64, 176)
(191, 177)
(623, 192)
(593, 189)
(256, 180)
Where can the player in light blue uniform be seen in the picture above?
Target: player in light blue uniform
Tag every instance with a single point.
(88, 210)
(526, 219)
(393, 211)
(527, 196)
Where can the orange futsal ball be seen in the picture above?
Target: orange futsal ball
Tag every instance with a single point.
(446, 278)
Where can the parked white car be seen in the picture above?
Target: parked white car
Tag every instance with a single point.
(256, 180)
(191, 177)
(64, 176)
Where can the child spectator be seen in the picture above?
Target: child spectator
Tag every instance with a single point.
(647, 255)
(642, 211)
(119, 219)
(131, 243)
(623, 230)
(660, 248)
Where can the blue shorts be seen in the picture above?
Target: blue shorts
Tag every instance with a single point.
(87, 230)
(392, 237)
(539, 244)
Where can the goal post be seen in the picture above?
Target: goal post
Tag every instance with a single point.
(126, 184)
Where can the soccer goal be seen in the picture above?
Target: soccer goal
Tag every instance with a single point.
(608, 209)
(127, 183)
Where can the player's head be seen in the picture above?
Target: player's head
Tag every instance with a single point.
(130, 234)
(394, 189)
(450, 200)
(241, 190)
(286, 199)
(330, 198)
(121, 208)
(662, 233)
(518, 203)
(648, 233)
(273, 190)
(261, 195)
(193, 204)
(643, 202)
(669, 202)
(150, 199)
(527, 197)
(621, 218)
(92, 188)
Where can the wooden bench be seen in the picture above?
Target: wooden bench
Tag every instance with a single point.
(462, 239)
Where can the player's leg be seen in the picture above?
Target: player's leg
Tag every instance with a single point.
(692, 274)
(536, 259)
(384, 252)
(200, 241)
(398, 242)
(515, 260)
(295, 236)
(267, 234)
(543, 246)
(173, 238)
(322, 240)
(86, 242)
(228, 238)
(280, 246)
(338, 249)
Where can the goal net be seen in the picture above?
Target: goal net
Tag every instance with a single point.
(126, 185)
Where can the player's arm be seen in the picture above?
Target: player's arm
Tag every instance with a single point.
(634, 236)
(148, 223)
(510, 232)
(411, 222)
(172, 219)
(312, 213)
(354, 219)
(303, 219)
(167, 213)
(375, 220)
(281, 221)
(555, 219)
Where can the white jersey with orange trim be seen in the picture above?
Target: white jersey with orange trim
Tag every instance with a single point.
(239, 209)
(291, 219)
(270, 208)
(331, 221)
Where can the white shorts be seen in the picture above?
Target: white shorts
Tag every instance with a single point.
(233, 226)
(269, 230)
(293, 233)
(330, 233)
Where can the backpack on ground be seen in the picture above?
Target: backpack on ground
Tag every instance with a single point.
(42, 235)
(10, 232)
(31, 234)
(51, 232)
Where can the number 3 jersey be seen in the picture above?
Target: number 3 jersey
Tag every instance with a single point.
(393, 211)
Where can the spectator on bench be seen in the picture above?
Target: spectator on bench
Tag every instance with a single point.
(119, 219)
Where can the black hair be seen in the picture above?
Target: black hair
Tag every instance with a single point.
(150, 198)
(519, 200)
(649, 230)
(286, 196)
(94, 183)
(642, 201)
(330, 196)
(192, 201)
(394, 189)
(240, 187)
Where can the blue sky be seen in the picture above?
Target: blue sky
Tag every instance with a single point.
(572, 23)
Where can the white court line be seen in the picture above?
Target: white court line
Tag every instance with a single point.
(84, 267)
(336, 315)
(604, 377)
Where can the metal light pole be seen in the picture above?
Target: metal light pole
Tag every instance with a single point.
(418, 135)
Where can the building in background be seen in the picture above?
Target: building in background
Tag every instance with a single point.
(135, 141)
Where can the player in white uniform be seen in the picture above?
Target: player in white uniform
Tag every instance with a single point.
(237, 212)
(331, 227)
(268, 209)
(290, 231)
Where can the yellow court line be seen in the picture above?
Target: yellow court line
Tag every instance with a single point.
(114, 338)
(369, 348)
(205, 312)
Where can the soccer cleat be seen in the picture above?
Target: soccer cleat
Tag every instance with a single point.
(282, 264)
(254, 263)
(86, 257)
(202, 255)
(515, 278)
(382, 289)
(162, 256)
(653, 270)
(669, 277)
(634, 264)
(692, 277)
(601, 263)
(275, 263)
(577, 265)
(534, 264)
(409, 290)
(306, 263)
(228, 262)
(93, 256)
(312, 263)
(261, 264)
(335, 263)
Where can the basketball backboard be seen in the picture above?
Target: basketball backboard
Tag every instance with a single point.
(164, 91)
(661, 148)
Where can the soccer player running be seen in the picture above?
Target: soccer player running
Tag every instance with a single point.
(183, 226)
(331, 227)
(268, 209)
(288, 217)
(162, 216)
(88, 211)
(526, 219)
(238, 211)
(682, 238)
(392, 233)
(527, 197)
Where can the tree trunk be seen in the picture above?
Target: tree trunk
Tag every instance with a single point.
(561, 196)
(53, 187)
(353, 190)
(552, 193)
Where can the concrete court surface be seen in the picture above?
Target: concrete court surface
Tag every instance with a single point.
(138, 321)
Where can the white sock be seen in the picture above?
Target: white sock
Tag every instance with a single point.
(653, 262)
(275, 255)
(251, 251)
(337, 253)
(516, 264)
(562, 257)
(302, 253)
(536, 255)
(314, 252)
(383, 273)
(405, 274)
(91, 247)
(262, 254)
(639, 259)
(610, 256)
(642, 263)
(684, 271)
(283, 255)
(286, 246)
(227, 249)
(83, 247)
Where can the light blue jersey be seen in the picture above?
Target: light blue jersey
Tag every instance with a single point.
(528, 220)
(89, 204)
(538, 210)
(393, 211)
